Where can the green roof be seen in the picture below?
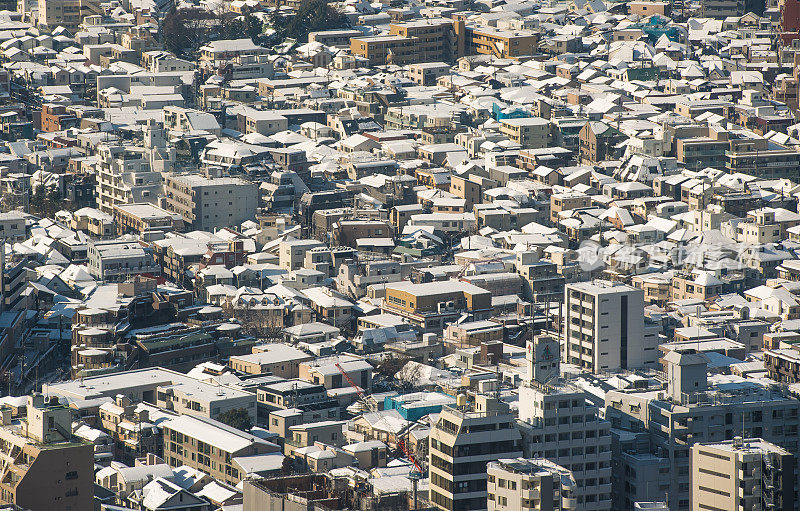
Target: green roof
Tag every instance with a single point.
(174, 342)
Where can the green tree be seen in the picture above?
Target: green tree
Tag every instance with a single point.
(234, 26)
(253, 27)
(186, 30)
(52, 202)
(313, 15)
(287, 466)
(37, 204)
(236, 418)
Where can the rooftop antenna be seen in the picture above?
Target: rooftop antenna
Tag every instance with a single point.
(497, 387)
(698, 328)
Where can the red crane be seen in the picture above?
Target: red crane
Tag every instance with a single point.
(402, 445)
(361, 396)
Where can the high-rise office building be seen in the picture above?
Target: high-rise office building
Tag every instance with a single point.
(465, 438)
(560, 424)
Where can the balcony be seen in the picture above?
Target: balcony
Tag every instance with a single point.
(295, 443)
(754, 492)
(532, 493)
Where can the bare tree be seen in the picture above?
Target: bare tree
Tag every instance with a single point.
(409, 376)
(257, 323)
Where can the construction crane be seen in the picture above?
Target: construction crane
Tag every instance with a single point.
(416, 474)
(361, 396)
(402, 445)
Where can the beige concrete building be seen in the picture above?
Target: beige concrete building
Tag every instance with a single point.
(210, 204)
(763, 225)
(605, 327)
(744, 475)
(473, 333)
(265, 122)
(501, 43)
(145, 218)
(66, 13)
(695, 407)
(292, 252)
(656, 287)
(281, 421)
(124, 176)
(420, 40)
(559, 423)
(430, 305)
(44, 466)
(700, 285)
(277, 359)
(304, 435)
(369, 454)
(468, 188)
(426, 73)
(529, 132)
(328, 372)
(529, 484)
(566, 201)
(210, 446)
(465, 438)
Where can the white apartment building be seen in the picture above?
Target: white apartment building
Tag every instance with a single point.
(559, 423)
(465, 438)
(180, 119)
(12, 226)
(763, 225)
(445, 222)
(116, 261)
(529, 484)
(219, 52)
(211, 203)
(160, 387)
(124, 176)
(605, 328)
(65, 13)
(529, 132)
(743, 474)
(292, 252)
(164, 62)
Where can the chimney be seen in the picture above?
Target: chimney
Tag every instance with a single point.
(491, 352)
(6, 414)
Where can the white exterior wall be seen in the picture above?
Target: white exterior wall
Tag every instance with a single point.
(605, 328)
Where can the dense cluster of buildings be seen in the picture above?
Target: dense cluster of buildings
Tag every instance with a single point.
(458, 255)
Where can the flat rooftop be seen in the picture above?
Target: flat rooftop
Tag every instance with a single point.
(109, 385)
